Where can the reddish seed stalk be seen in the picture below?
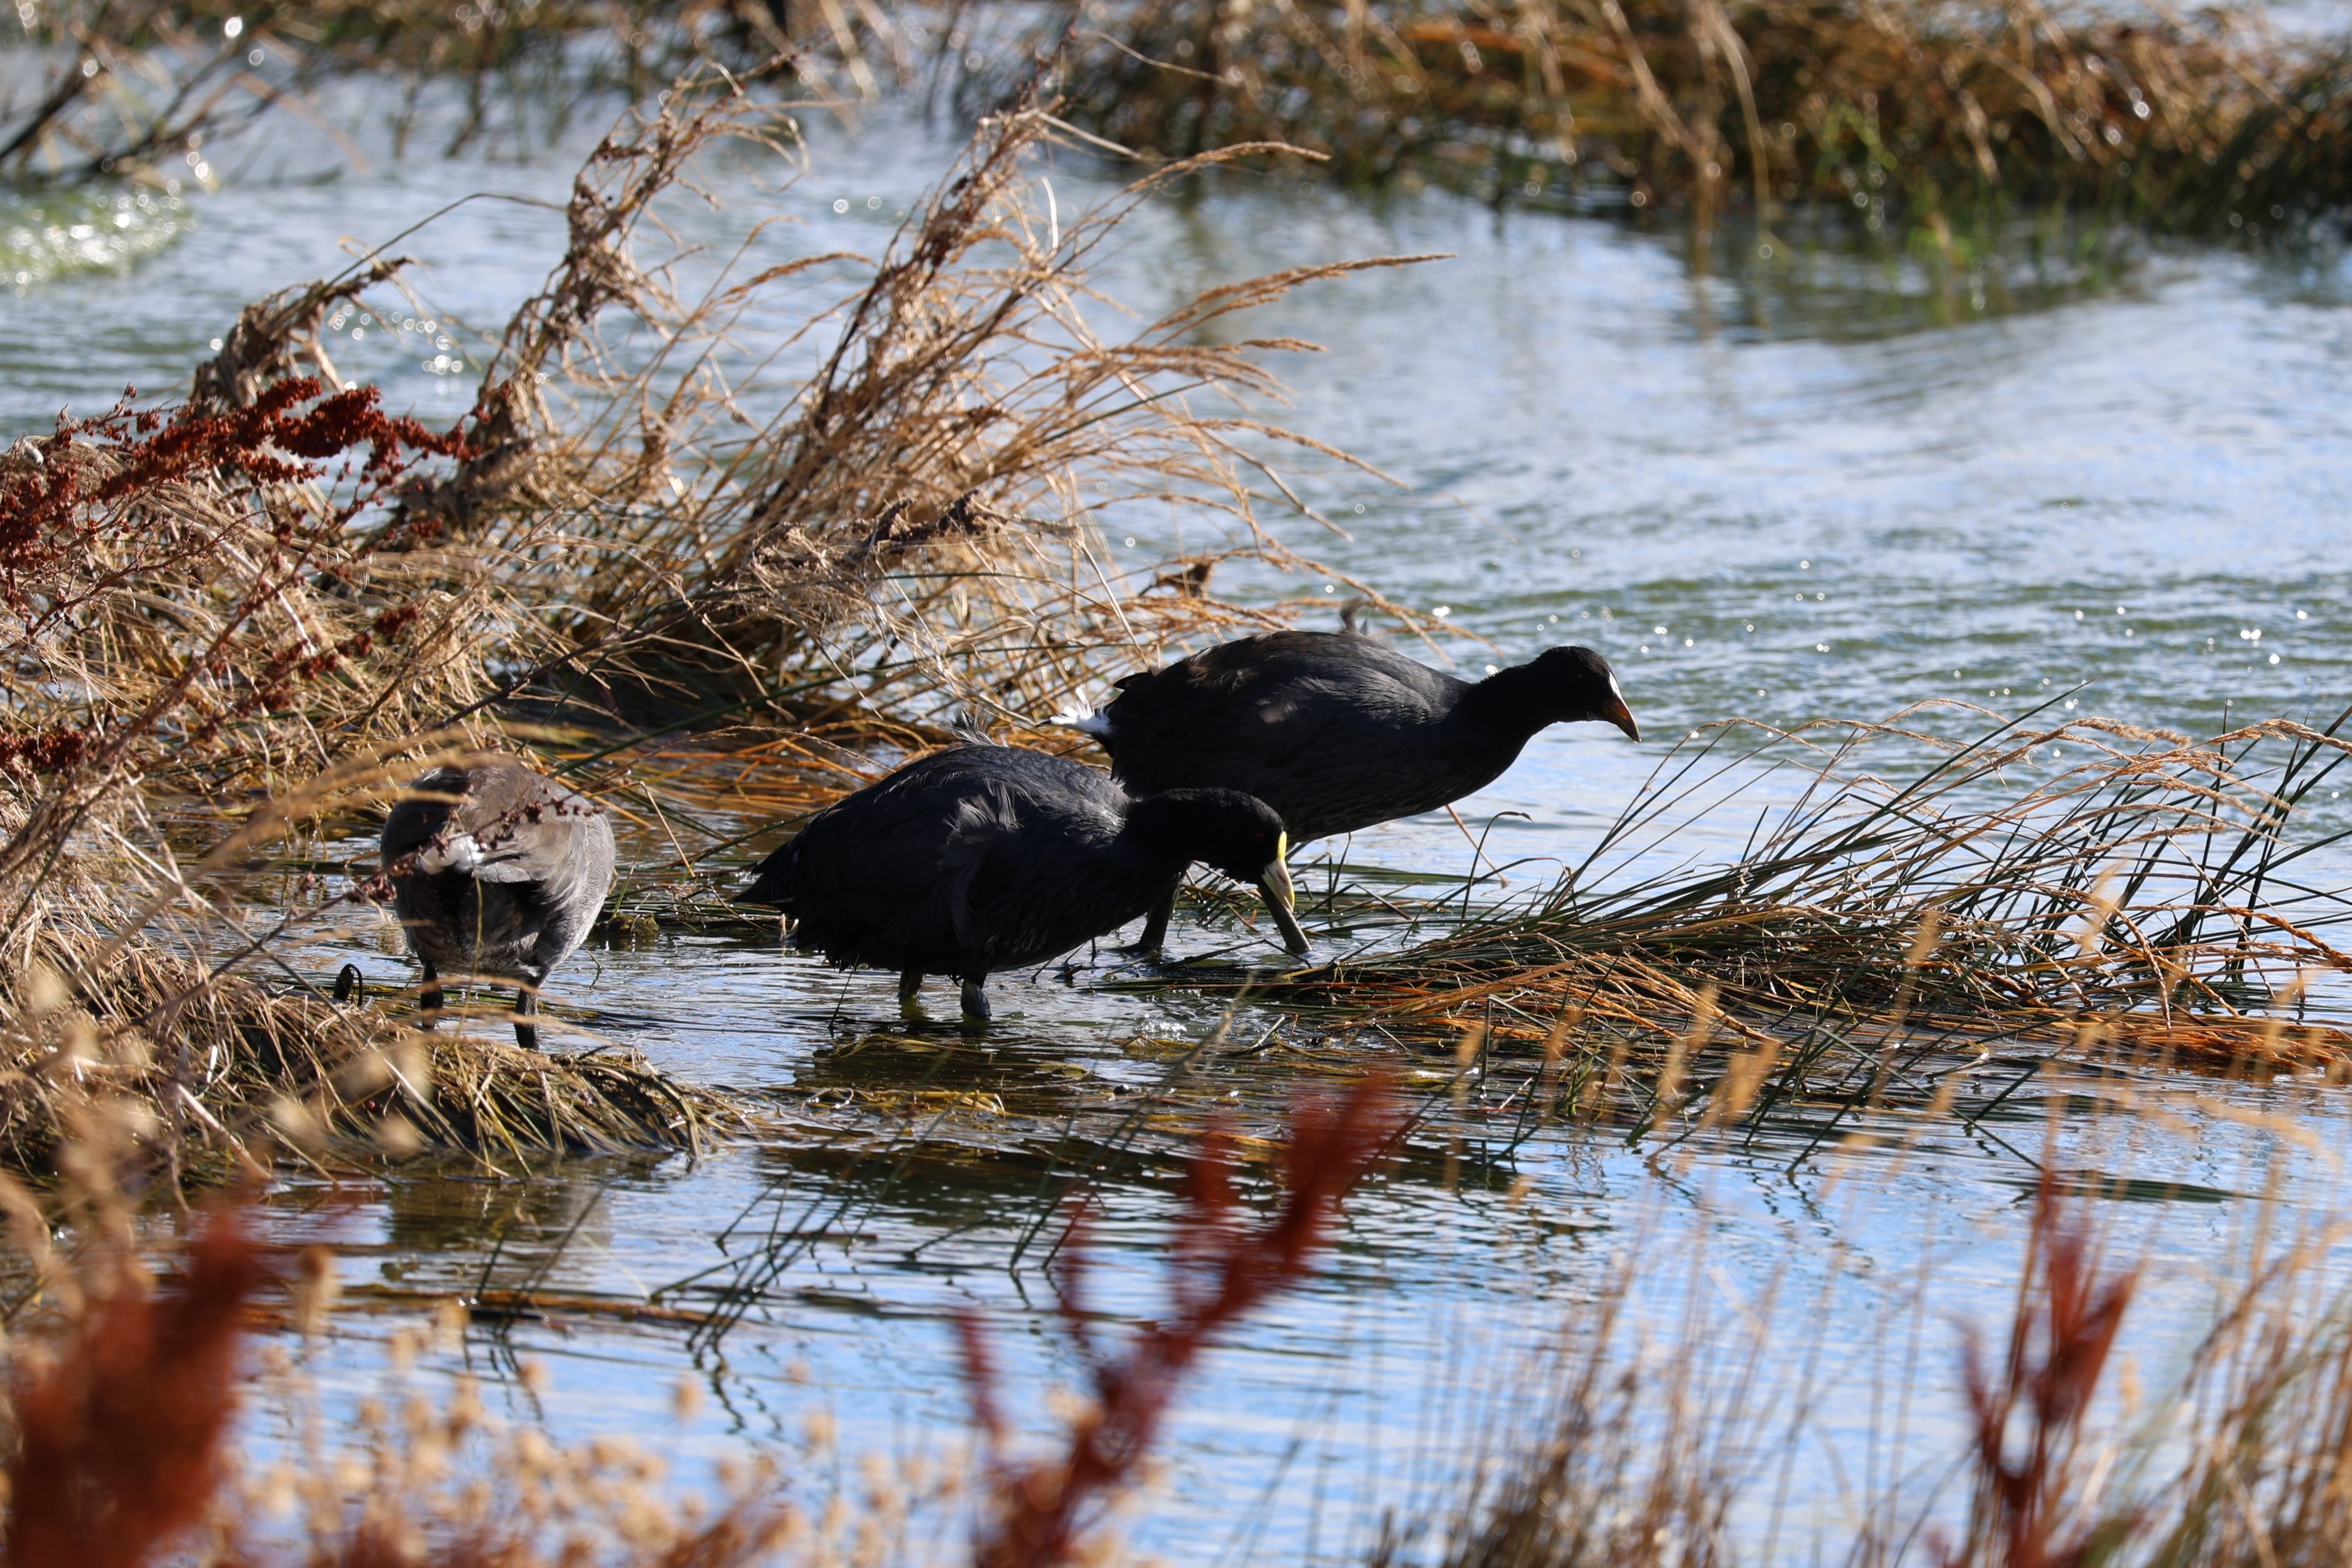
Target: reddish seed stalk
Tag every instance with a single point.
(119, 1434)
(2064, 1330)
(1221, 1273)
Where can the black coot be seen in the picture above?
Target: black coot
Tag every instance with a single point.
(1335, 730)
(496, 872)
(984, 857)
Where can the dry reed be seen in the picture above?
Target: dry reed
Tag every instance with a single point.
(276, 595)
(913, 529)
(2088, 885)
(1945, 118)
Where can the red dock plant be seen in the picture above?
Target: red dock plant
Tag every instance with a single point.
(118, 1426)
(2026, 1509)
(1223, 1269)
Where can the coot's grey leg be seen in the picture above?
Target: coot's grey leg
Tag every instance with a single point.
(526, 1007)
(428, 999)
(1155, 925)
(351, 985)
(975, 1000)
(911, 988)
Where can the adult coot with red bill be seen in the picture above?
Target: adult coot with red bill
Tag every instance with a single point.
(983, 858)
(496, 872)
(1337, 730)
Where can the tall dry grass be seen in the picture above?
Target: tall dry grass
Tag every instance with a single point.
(257, 611)
(914, 528)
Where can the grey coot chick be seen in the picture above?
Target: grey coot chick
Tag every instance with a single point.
(984, 857)
(1337, 730)
(496, 872)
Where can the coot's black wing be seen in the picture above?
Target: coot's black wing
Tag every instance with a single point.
(932, 868)
(1332, 730)
(421, 812)
(878, 876)
(1058, 876)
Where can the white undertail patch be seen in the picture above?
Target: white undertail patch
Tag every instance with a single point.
(458, 852)
(1097, 724)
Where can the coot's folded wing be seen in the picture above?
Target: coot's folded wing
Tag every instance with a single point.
(1043, 885)
(1203, 720)
(1292, 717)
(422, 811)
(499, 821)
(881, 877)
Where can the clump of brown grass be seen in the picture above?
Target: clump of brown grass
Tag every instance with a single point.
(913, 528)
(1933, 113)
(191, 609)
(210, 1074)
(2091, 884)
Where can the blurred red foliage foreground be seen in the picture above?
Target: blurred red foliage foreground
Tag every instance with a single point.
(121, 1409)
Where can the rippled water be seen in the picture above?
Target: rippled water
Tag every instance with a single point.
(1825, 486)
(69, 234)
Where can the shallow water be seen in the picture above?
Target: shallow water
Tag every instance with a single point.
(1826, 487)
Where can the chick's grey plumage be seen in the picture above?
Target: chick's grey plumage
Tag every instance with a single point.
(984, 857)
(498, 871)
(1337, 730)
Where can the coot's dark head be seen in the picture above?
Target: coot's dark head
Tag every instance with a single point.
(1569, 685)
(1230, 832)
